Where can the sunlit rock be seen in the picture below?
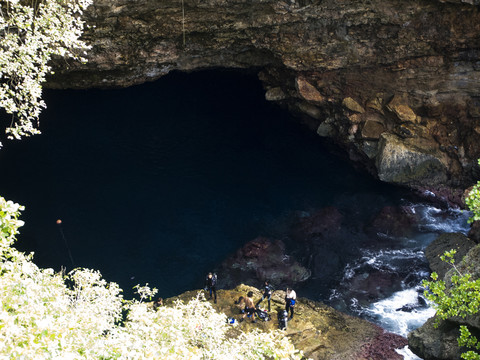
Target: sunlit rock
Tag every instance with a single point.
(318, 330)
(400, 161)
(308, 91)
(352, 105)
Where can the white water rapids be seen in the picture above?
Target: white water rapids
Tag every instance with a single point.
(390, 293)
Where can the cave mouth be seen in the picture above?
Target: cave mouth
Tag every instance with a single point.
(159, 183)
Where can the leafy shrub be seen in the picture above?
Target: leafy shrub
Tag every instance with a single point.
(31, 32)
(79, 315)
(458, 298)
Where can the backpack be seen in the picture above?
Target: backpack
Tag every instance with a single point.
(262, 315)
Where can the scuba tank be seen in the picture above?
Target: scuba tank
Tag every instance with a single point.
(282, 319)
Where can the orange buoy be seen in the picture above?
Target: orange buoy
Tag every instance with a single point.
(59, 221)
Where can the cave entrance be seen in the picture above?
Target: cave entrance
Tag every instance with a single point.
(160, 183)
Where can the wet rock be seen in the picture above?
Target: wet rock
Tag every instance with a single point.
(324, 245)
(325, 222)
(383, 347)
(430, 342)
(376, 285)
(259, 260)
(392, 221)
(447, 242)
(320, 331)
(474, 233)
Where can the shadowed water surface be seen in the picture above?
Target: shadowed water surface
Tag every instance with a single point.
(159, 183)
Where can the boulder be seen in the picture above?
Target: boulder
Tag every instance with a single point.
(320, 331)
(392, 221)
(308, 91)
(474, 233)
(447, 242)
(325, 222)
(323, 243)
(259, 260)
(440, 343)
(311, 110)
(372, 129)
(352, 105)
(326, 128)
(435, 343)
(275, 94)
(404, 113)
(408, 162)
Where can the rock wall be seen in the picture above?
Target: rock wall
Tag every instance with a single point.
(440, 342)
(393, 82)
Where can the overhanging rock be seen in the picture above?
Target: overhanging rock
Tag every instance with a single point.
(400, 161)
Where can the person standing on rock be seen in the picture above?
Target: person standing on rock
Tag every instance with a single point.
(211, 285)
(267, 294)
(290, 300)
(249, 307)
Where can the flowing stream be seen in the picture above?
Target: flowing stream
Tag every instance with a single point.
(159, 183)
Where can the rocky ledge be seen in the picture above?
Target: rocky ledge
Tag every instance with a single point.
(320, 331)
(440, 343)
(394, 83)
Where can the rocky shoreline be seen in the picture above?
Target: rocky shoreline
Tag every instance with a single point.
(393, 84)
(321, 332)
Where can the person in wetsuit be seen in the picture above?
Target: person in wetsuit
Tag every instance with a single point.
(267, 294)
(211, 285)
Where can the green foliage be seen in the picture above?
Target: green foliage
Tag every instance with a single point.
(472, 201)
(43, 318)
(31, 32)
(461, 298)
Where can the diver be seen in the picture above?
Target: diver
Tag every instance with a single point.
(211, 285)
(290, 299)
(249, 306)
(267, 294)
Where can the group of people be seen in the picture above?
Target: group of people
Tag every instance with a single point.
(250, 306)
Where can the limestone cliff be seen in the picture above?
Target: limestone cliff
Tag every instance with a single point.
(393, 82)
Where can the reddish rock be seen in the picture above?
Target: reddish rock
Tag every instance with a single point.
(383, 347)
(308, 91)
(259, 260)
(392, 220)
(325, 222)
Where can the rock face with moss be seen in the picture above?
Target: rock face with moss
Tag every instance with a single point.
(320, 331)
(395, 83)
(440, 343)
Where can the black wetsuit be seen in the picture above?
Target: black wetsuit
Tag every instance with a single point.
(211, 285)
(267, 294)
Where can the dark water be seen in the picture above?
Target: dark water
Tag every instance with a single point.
(159, 183)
